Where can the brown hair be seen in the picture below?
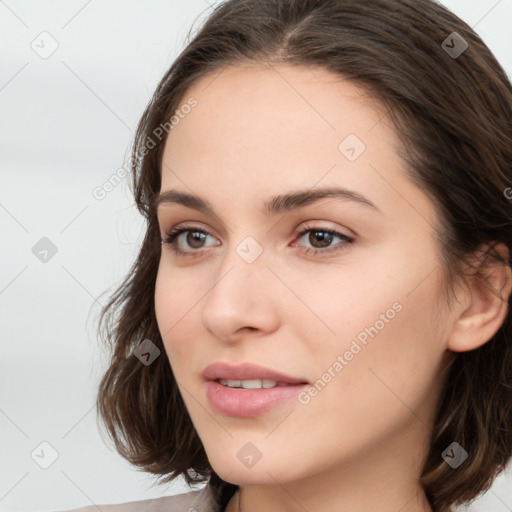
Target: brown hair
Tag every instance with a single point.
(453, 115)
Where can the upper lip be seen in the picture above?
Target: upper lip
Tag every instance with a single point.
(246, 371)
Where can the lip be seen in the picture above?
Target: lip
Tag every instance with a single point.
(246, 403)
(247, 371)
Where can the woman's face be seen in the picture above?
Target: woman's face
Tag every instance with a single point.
(354, 317)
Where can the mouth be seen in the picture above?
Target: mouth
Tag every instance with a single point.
(248, 376)
(252, 383)
(247, 390)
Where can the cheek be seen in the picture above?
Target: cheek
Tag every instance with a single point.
(390, 382)
(395, 360)
(346, 297)
(383, 317)
(174, 304)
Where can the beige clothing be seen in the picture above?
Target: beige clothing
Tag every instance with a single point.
(193, 501)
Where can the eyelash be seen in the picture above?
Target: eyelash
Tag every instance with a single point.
(170, 240)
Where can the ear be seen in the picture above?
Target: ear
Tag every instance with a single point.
(485, 304)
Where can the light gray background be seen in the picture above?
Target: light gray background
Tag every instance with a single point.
(66, 125)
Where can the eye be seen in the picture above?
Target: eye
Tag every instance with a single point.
(195, 237)
(320, 238)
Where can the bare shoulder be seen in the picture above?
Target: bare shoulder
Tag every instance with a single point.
(193, 501)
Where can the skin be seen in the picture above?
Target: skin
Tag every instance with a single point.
(360, 442)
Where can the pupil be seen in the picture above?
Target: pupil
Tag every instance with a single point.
(325, 238)
(195, 238)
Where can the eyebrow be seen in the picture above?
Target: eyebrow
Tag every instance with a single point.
(282, 203)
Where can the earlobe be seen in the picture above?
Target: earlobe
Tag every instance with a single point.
(488, 292)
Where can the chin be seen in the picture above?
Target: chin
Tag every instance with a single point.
(240, 476)
(261, 472)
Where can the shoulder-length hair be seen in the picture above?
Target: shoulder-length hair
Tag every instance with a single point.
(450, 105)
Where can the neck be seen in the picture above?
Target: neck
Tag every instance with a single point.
(253, 498)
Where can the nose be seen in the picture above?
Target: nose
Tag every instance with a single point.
(241, 300)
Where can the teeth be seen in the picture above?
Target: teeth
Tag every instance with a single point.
(251, 384)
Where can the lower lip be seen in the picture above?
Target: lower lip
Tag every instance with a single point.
(245, 403)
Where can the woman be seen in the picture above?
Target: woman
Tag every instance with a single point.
(318, 318)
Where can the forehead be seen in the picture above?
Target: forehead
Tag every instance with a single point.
(264, 129)
(276, 106)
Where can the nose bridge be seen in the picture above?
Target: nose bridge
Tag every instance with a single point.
(240, 296)
(241, 274)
